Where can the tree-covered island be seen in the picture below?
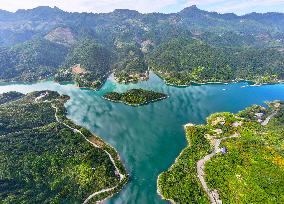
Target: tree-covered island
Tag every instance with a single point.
(46, 158)
(234, 158)
(135, 97)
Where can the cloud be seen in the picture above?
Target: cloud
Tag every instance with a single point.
(239, 6)
(144, 6)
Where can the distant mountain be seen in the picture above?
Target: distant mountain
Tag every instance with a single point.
(276, 19)
(141, 34)
(139, 26)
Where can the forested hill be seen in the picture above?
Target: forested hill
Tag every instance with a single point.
(127, 39)
(245, 166)
(46, 158)
(182, 62)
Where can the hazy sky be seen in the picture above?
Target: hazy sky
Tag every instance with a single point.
(146, 6)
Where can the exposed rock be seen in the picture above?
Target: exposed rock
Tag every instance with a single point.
(218, 120)
(61, 35)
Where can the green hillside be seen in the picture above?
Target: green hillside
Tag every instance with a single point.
(190, 45)
(250, 170)
(45, 161)
(184, 61)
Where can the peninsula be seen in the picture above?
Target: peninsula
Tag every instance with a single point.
(45, 157)
(234, 158)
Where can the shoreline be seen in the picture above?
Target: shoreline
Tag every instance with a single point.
(107, 148)
(194, 83)
(160, 194)
(175, 161)
(252, 83)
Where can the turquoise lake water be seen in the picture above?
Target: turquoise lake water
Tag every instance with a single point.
(149, 138)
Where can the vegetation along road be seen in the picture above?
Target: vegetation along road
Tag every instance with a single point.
(121, 176)
(213, 194)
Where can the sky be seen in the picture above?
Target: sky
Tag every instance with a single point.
(146, 6)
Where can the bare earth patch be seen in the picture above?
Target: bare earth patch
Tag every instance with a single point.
(95, 140)
(77, 69)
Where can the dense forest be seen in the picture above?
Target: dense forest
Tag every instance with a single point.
(94, 61)
(33, 60)
(184, 47)
(135, 97)
(184, 61)
(53, 163)
(130, 64)
(250, 170)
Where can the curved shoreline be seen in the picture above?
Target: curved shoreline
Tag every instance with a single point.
(160, 194)
(176, 159)
(123, 177)
(194, 83)
(158, 187)
(222, 83)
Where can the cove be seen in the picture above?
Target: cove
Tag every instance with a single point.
(149, 138)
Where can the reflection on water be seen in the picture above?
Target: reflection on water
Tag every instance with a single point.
(150, 137)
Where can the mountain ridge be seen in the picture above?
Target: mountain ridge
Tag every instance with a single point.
(130, 40)
(189, 8)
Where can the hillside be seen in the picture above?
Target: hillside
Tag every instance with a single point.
(92, 58)
(45, 158)
(33, 60)
(131, 38)
(185, 61)
(236, 158)
(61, 35)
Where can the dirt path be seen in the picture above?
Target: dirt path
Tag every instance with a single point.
(121, 176)
(266, 121)
(213, 195)
(41, 96)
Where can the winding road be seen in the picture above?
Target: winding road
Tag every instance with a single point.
(266, 121)
(121, 176)
(213, 195)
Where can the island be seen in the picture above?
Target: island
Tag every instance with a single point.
(46, 158)
(234, 158)
(135, 97)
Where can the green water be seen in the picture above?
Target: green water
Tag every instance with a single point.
(149, 138)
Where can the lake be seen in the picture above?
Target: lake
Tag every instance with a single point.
(149, 138)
